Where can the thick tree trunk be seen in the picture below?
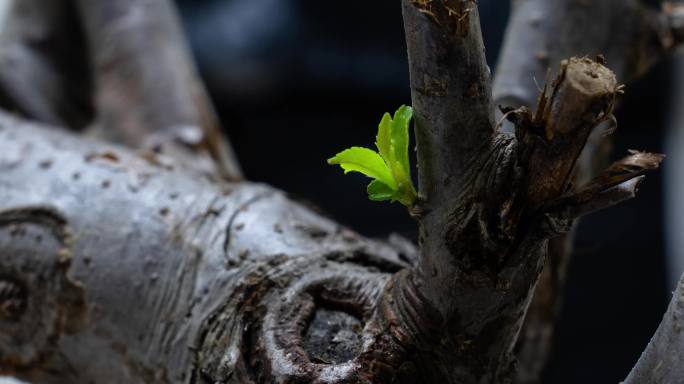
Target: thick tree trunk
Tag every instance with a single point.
(117, 269)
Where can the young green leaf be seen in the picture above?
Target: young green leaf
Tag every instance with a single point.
(379, 191)
(365, 161)
(389, 167)
(400, 137)
(384, 139)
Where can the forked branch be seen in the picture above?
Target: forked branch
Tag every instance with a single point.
(248, 278)
(489, 201)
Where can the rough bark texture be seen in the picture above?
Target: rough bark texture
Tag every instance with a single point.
(172, 278)
(164, 277)
(541, 33)
(483, 227)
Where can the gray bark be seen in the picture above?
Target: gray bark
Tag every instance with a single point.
(663, 360)
(482, 193)
(674, 182)
(167, 277)
(147, 91)
(115, 267)
(174, 279)
(631, 36)
(120, 68)
(45, 68)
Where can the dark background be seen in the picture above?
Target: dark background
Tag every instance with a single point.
(296, 81)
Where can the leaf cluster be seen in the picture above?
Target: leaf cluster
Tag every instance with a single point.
(388, 167)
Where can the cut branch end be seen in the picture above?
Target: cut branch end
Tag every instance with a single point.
(551, 140)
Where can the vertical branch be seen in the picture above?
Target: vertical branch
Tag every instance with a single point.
(485, 209)
(450, 91)
(148, 93)
(451, 97)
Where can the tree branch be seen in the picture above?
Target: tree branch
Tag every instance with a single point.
(539, 35)
(189, 280)
(450, 91)
(482, 212)
(170, 278)
(583, 96)
(631, 36)
(663, 360)
(44, 66)
(147, 91)
(200, 281)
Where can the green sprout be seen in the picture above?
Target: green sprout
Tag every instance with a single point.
(389, 167)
